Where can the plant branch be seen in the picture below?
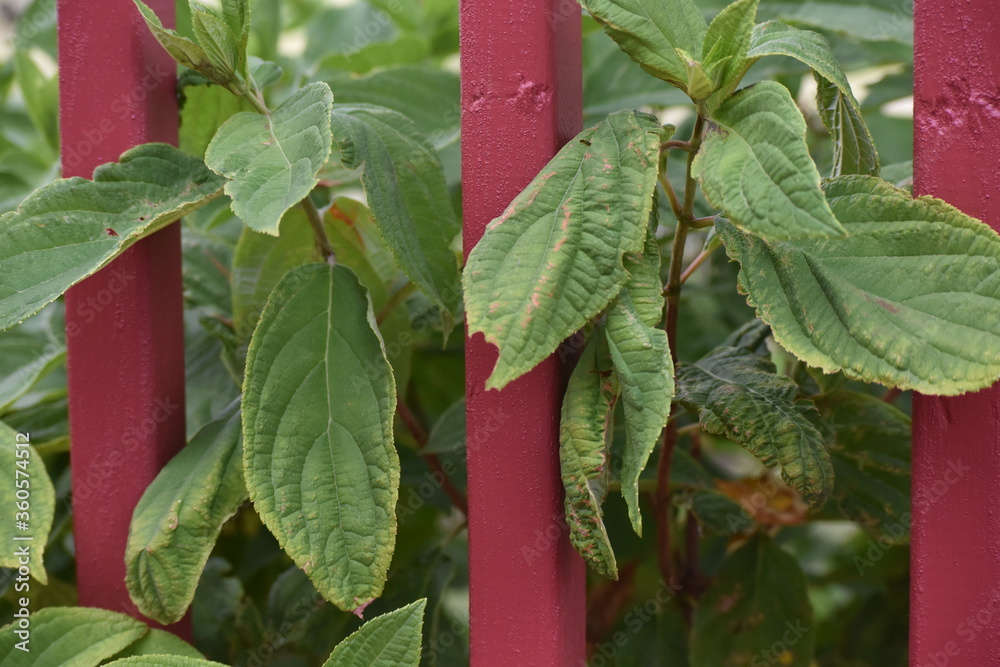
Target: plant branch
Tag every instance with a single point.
(673, 143)
(697, 262)
(398, 297)
(319, 233)
(673, 293)
(671, 194)
(419, 434)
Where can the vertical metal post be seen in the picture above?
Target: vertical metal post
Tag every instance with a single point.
(521, 101)
(124, 324)
(955, 573)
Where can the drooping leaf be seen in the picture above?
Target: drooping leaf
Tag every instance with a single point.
(553, 260)
(389, 640)
(407, 194)
(642, 362)
(644, 285)
(187, 52)
(736, 393)
(900, 301)
(650, 31)
(178, 519)
(871, 459)
(584, 453)
(24, 470)
(756, 609)
(755, 166)
(726, 44)
(853, 148)
(218, 41)
(273, 160)
(72, 227)
(70, 637)
(319, 457)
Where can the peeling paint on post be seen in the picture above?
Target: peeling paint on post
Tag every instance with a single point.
(521, 101)
(955, 561)
(124, 325)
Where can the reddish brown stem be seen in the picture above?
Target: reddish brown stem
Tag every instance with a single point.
(419, 434)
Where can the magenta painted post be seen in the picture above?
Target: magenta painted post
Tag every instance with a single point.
(124, 324)
(955, 578)
(521, 101)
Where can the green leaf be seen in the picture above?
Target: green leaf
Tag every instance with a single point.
(159, 643)
(900, 301)
(70, 228)
(178, 519)
(553, 260)
(736, 393)
(871, 459)
(318, 406)
(406, 191)
(41, 97)
(205, 109)
(649, 31)
(584, 453)
(642, 362)
(163, 660)
(644, 285)
(25, 358)
(186, 52)
(71, 637)
(272, 161)
(389, 640)
(853, 148)
(755, 166)
(726, 44)
(22, 464)
(854, 20)
(756, 610)
(219, 42)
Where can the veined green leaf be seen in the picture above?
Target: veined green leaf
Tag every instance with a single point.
(186, 52)
(584, 453)
(389, 640)
(272, 161)
(22, 462)
(853, 148)
(205, 109)
(642, 362)
(70, 228)
(856, 20)
(318, 453)
(406, 191)
(164, 661)
(871, 459)
(219, 42)
(736, 393)
(649, 31)
(726, 44)
(553, 260)
(758, 600)
(644, 285)
(71, 637)
(161, 644)
(178, 519)
(25, 358)
(756, 167)
(900, 301)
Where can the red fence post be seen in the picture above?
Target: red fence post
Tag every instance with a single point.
(955, 562)
(521, 101)
(124, 324)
